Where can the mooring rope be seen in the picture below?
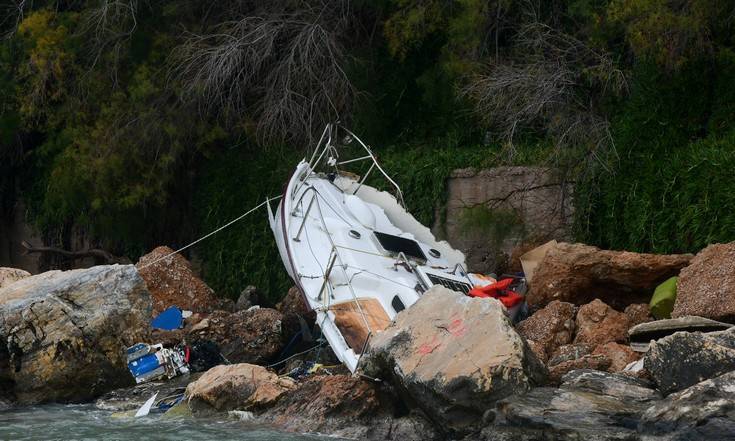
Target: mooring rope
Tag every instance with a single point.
(242, 216)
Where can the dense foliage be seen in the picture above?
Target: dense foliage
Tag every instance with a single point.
(138, 123)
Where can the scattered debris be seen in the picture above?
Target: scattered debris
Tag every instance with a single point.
(170, 319)
(150, 362)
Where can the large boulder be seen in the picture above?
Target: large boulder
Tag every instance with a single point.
(551, 327)
(64, 333)
(705, 411)
(706, 288)
(349, 407)
(172, 282)
(252, 336)
(589, 405)
(598, 323)
(239, 387)
(11, 275)
(684, 359)
(579, 273)
(455, 356)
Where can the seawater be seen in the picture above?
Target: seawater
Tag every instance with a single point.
(84, 422)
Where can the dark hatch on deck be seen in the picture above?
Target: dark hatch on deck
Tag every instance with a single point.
(396, 244)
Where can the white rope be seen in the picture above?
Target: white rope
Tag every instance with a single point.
(212, 233)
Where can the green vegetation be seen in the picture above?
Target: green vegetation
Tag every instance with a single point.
(136, 124)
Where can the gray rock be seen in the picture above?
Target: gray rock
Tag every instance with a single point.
(589, 405)
(642, 334)
(454, 356)
(705, 411)
(684, 359)
(65, 332)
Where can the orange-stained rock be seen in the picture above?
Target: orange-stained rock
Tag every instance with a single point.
(347, 406)
(639, 313)
(455, 356)
(173, 283)
(706, 288)
(254, 336)
(597, 324)
(550, 327)
(594, 362)
(620, 355)
(239, 386)
(579, 273)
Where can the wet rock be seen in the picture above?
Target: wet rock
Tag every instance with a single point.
(706, 288)
(638, 313)
(619, 355)
(684, 359)
(349, 407)
(579, 273)
(597, 324)
(590, 362)
(551, 327)
(66, 332)
(705, 411)
(455, 356)
(252, 336)
(238, 386)
(172, 282)
(11, 275)
(641, 335)
(589, 405)
(131, 398)
(292, 307)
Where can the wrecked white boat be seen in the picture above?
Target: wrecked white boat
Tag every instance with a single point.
(355, 253)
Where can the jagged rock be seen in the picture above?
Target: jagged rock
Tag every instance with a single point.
(172, 283)
(597, 324)
(579, 273)
(551, 327)
(66, 332)
(252, 336)
(590, 362)
(706, 288)
(641, 335)
(619, 355)
(292, 307)
(11, 275)
(683, 359)
(638, 313)
(455, 356)
(346, 406)
(589, 405)
(239, 386)
(569, 352)
(705, 411)
(248, 297)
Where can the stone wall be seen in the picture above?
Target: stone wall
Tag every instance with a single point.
(492, 212)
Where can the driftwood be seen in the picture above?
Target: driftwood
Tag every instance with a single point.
(96, 253)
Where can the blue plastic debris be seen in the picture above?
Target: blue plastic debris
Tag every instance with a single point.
(169, 319)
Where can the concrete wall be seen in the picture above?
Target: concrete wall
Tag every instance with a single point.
(490, 213)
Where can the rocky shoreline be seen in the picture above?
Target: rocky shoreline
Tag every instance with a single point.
(449, 367)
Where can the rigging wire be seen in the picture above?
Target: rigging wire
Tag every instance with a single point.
(242, 216)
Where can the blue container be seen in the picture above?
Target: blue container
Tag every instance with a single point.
(144, 365)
